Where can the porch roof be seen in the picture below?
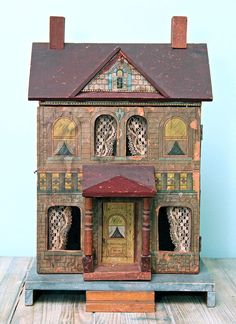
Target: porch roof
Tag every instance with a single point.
(118, 181)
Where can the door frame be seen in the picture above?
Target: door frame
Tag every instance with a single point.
(98, 216)
(127, 240)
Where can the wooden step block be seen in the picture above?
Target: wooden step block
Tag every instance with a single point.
(120, 301)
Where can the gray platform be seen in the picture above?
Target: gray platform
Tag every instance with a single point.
(202, 282)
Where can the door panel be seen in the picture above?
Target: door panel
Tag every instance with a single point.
(118, 232)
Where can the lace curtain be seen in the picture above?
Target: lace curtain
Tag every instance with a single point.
(180, 227)
(105, 135)
(60, 219)
(137, 135)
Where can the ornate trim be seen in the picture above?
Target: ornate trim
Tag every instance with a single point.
(118, 103)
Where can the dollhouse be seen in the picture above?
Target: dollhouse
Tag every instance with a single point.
(118, 155)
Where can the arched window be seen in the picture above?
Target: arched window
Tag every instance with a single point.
(174, 229)
(64, 134)
(117, 227)
(64, 228)
(175, 137)
(136, 136)
(119, 79)
(105, 136)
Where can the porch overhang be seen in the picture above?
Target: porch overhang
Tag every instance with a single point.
(118, 181)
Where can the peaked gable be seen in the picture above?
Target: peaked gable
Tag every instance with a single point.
(119, 186)
(181, 74)
(119, 75)
(95, 175)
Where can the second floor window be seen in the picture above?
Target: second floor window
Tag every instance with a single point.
(175, 137)
(136, 136)
(64, 135)
(105, 136)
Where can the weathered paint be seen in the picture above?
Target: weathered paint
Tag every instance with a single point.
(196, 183)
(197, 151)
(194, 124)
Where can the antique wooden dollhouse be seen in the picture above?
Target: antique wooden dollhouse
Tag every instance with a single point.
(119, 141)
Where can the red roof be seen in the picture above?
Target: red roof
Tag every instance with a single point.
(118, 181)
(179, 74)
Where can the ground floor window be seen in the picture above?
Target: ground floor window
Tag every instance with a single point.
(174, 229)
(64, 228)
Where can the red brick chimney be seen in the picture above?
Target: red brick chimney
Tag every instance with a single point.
(179, 32)
(57, 32)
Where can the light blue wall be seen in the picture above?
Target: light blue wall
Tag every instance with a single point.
(25, 21)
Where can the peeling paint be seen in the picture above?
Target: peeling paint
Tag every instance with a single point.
(136, 158)
(196, 153)
(90, 109)
(140, 111)
(193, 124)
(196, 183)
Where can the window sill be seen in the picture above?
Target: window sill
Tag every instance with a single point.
(119, 158)
(64, 253)
(175, 157)
(63, 158)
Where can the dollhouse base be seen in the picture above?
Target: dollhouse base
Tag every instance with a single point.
(202, 282)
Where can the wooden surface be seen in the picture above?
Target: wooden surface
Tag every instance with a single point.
(69, 307)
(120, 301)
(201, 282)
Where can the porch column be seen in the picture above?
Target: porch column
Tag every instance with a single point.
(88, 236)
(146, 257)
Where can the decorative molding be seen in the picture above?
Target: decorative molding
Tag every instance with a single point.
(59, 182)
(150, 103)
(119, 114)
(174, 182)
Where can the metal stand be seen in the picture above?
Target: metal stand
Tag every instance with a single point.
(202, 282)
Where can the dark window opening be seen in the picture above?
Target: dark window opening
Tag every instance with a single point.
(64, 223)
(119, 83)
(119, 79)
(165, 243)
(73, 239)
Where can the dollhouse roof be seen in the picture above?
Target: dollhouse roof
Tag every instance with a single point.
(118, 181)
(176, 74)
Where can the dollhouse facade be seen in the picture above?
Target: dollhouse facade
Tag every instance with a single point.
(118, 150)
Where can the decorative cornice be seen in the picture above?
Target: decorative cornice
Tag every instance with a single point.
(119, 103)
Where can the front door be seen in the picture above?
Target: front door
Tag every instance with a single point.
(118, 232)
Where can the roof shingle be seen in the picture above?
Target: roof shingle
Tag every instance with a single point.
(183, 74)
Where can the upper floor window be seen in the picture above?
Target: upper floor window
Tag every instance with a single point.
(175, 137)
(105, 136)
(120, 77)
(64, 137)
(136, 136)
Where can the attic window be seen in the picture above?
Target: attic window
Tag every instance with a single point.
(119, 80)
(119, 77)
